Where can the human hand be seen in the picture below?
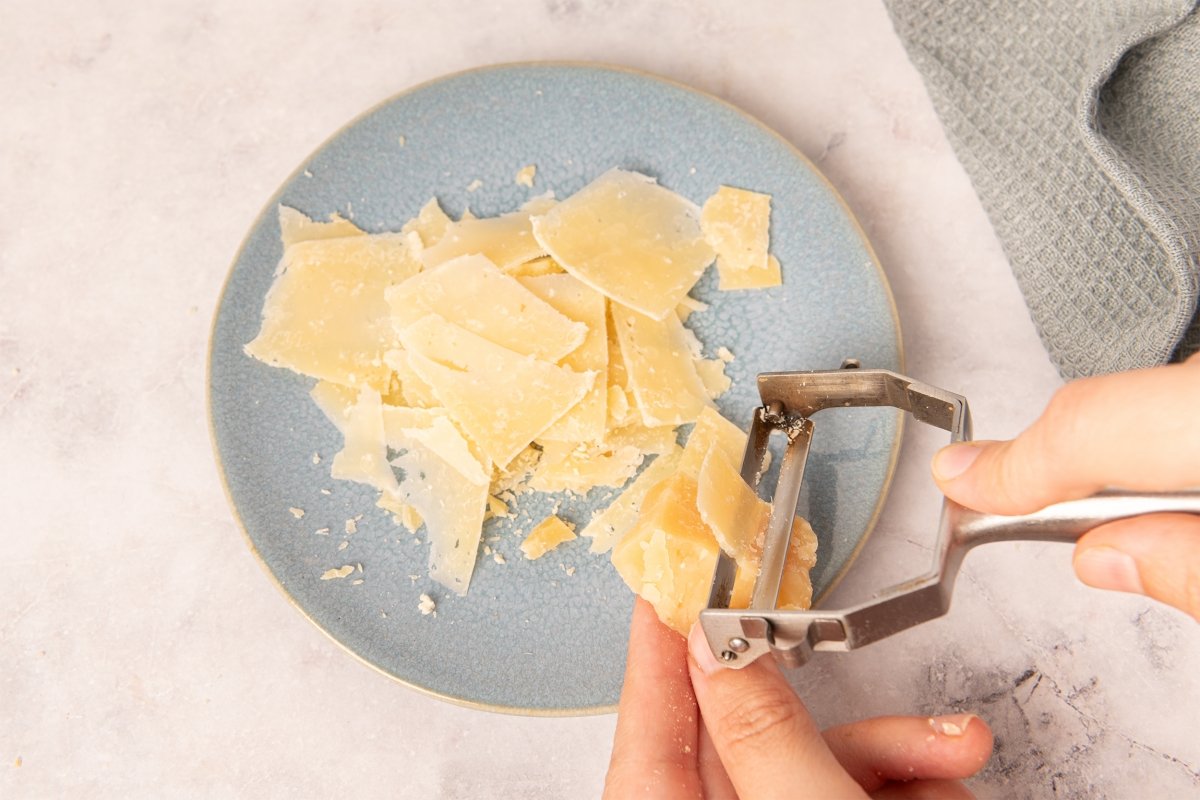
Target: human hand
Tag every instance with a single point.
(687, 727)
(1135, 430)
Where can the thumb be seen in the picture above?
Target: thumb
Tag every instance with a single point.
(764, 736)
(1156, 555)
(1135, 430)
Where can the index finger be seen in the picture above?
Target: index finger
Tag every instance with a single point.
(1134, 430)
(656, 746)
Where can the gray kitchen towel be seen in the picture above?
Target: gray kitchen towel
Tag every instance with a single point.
(1079, 125)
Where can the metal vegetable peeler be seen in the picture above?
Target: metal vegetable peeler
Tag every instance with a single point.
(790, 399)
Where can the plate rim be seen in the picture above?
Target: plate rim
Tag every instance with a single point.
(598, 66)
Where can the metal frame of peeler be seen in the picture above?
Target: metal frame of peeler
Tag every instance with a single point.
(790, 399)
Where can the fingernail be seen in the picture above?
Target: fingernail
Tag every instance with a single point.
(1108, 568)
(951, 725)
(702, 654)
(952, 461)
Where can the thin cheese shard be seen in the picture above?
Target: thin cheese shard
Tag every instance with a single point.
(414, 391)
(712, 375)
(661, 372)
(502, 400)
(430, 224)
(610, 525)
(545, 536)
(335, 401)
(565, 466)
(730, 508)
(325, 314)
(633, 240)
(295, 226)
(731, 280)
(451, 501)
(363, 457)
(712, 430)
(473, 294)
(584, 305)
(737, 225)
(506, 240)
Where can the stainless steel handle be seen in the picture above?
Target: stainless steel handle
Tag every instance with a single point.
(1067, 521)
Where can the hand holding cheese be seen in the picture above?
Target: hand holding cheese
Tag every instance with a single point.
(688, 728)
(468, 362)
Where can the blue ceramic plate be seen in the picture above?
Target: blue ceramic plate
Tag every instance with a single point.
(548, 636)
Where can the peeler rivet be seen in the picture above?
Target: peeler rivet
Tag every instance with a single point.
(738, 645)
(728, 655)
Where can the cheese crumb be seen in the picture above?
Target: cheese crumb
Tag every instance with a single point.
(343, 546)
(326, 492)
(402, 140)
(525, 175)
(351, 526)
(725, 354)
(321, 531)
(297, 512)
(498, 558)
(426, 606)
(474, 185)
(357, 582)
(334, 574)
(316, 459)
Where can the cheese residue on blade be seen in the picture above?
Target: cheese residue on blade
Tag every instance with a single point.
(635, 241)
(545, 536)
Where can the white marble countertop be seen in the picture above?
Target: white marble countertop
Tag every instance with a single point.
(144, 652)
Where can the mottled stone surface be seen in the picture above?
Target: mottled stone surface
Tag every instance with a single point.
(144, 651)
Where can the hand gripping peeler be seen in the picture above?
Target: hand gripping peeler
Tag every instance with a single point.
(790, 399)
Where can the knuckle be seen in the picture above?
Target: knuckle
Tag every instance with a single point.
(758, 719)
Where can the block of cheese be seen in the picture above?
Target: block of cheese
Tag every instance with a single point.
(737, 225)
(295, 226)
(623, 234)
(363, 457)
(585, 306)
(609, 525)
(325, 314)
(661, 373)
(451, 501)
(771, 275)
(471, 293)
(545, 536)
(506, 240)
(669, 554)
(502, 400)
